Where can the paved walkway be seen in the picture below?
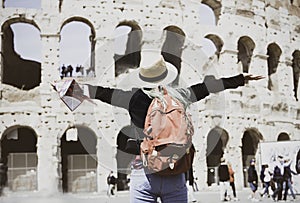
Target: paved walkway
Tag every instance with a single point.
(121, 197)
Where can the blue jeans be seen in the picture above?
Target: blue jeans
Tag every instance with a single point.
(288, 186)
(253, 186)
(266, 186)
(146, 187)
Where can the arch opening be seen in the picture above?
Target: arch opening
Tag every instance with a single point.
(296, 71)
(250, 140)
(77, 49)
(19, 154)
(172, 47)
(215, 6)
(245, 52)
(283, 137)
(216, 142)
(21, 54)
(274, 53)
(124, 156)
(79, 160)
(128, 44)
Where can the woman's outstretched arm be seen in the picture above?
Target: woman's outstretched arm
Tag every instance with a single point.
(213, 85)
(113, 96)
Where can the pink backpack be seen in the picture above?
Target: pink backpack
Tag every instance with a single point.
(167, 149)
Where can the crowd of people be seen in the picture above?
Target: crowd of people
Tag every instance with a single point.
(68, 71)
(276, 181)
(279, 179)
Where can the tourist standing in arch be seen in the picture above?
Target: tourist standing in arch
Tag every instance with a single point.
(253, 180)
(231, 181)
(224, 178)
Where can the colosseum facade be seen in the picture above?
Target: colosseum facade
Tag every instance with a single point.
(50, 149)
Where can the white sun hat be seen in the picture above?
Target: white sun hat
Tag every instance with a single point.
(153, 71)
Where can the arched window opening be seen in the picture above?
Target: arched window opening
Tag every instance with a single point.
(77, 50)
(296, 71)
(274, 53)
(78, 160)
(210, 11)
(22, 4)
(172, 47)
(245, 52)
(19, 153)
(21, 55)
(125, 155)
(128, 43)
(212, 45)
(250, 141)
(216, 142)
(283, 137)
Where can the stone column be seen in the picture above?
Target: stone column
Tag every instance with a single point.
(50, 59)
(47, 170)
(228, 63)
(285, 81)
(259, 66)
(203, 127)
(233, 150)
(104, 62)
(106, 156)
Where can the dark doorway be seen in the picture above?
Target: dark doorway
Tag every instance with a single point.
(79, 162)
(216, 142)
(250, 142)
(18, 151)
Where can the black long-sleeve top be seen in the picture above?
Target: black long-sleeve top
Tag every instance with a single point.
(137, 102)
(223, 172)
(252, 174)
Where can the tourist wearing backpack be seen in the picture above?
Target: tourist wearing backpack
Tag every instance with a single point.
(224, 178)
(146, 185)
(278, 178)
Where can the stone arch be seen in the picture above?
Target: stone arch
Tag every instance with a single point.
(16, 71)
(215, 6)
(250, 140)
(218, 42)
(19, 153)
(80, 19)
(78, 149)
(173, 46)
(283, 136)
(274, 53)
(132, 56)
(296, 71)
(245, 51)
(217, 140)
(90, 69)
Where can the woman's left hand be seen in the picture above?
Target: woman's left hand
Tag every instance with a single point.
(253, 77)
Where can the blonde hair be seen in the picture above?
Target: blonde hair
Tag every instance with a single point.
(181, 94)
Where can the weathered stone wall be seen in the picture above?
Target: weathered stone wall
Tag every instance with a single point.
(251, 106)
